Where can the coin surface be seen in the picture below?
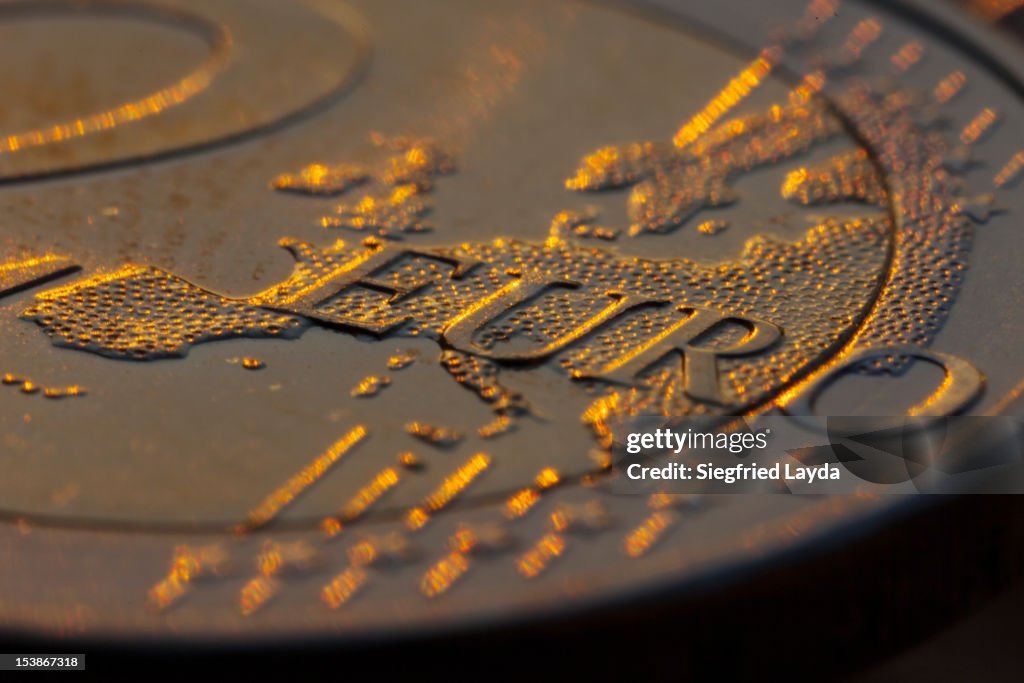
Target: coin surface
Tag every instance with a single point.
(341, 342)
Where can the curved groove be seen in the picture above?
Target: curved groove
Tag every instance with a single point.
(342, 15)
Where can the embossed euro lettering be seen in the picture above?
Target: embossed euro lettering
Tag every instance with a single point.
(361, 273)
(962, 384)
(699, 365)
(528, 286)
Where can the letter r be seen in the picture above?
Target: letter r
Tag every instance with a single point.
(700, 365)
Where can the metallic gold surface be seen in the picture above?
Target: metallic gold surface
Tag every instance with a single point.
(189, 112)
(272, 505)
(531, 223)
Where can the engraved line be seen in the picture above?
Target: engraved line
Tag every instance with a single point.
(442, 575)
(539, 557)
(862, 36)
(188, 563)
(747, 80)
(21, 275)
(1011, 171)
(273, 561)
(521, 502)
(811, 84)
(173, 95)
(644, 536)
(272, 505)
(979, 126)
(450, 568)
(362, 501)
(343, 586)
(257, 593)
(168, 591)
(735, 91)
(451, 487)
(907, 56)
(949, 87)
